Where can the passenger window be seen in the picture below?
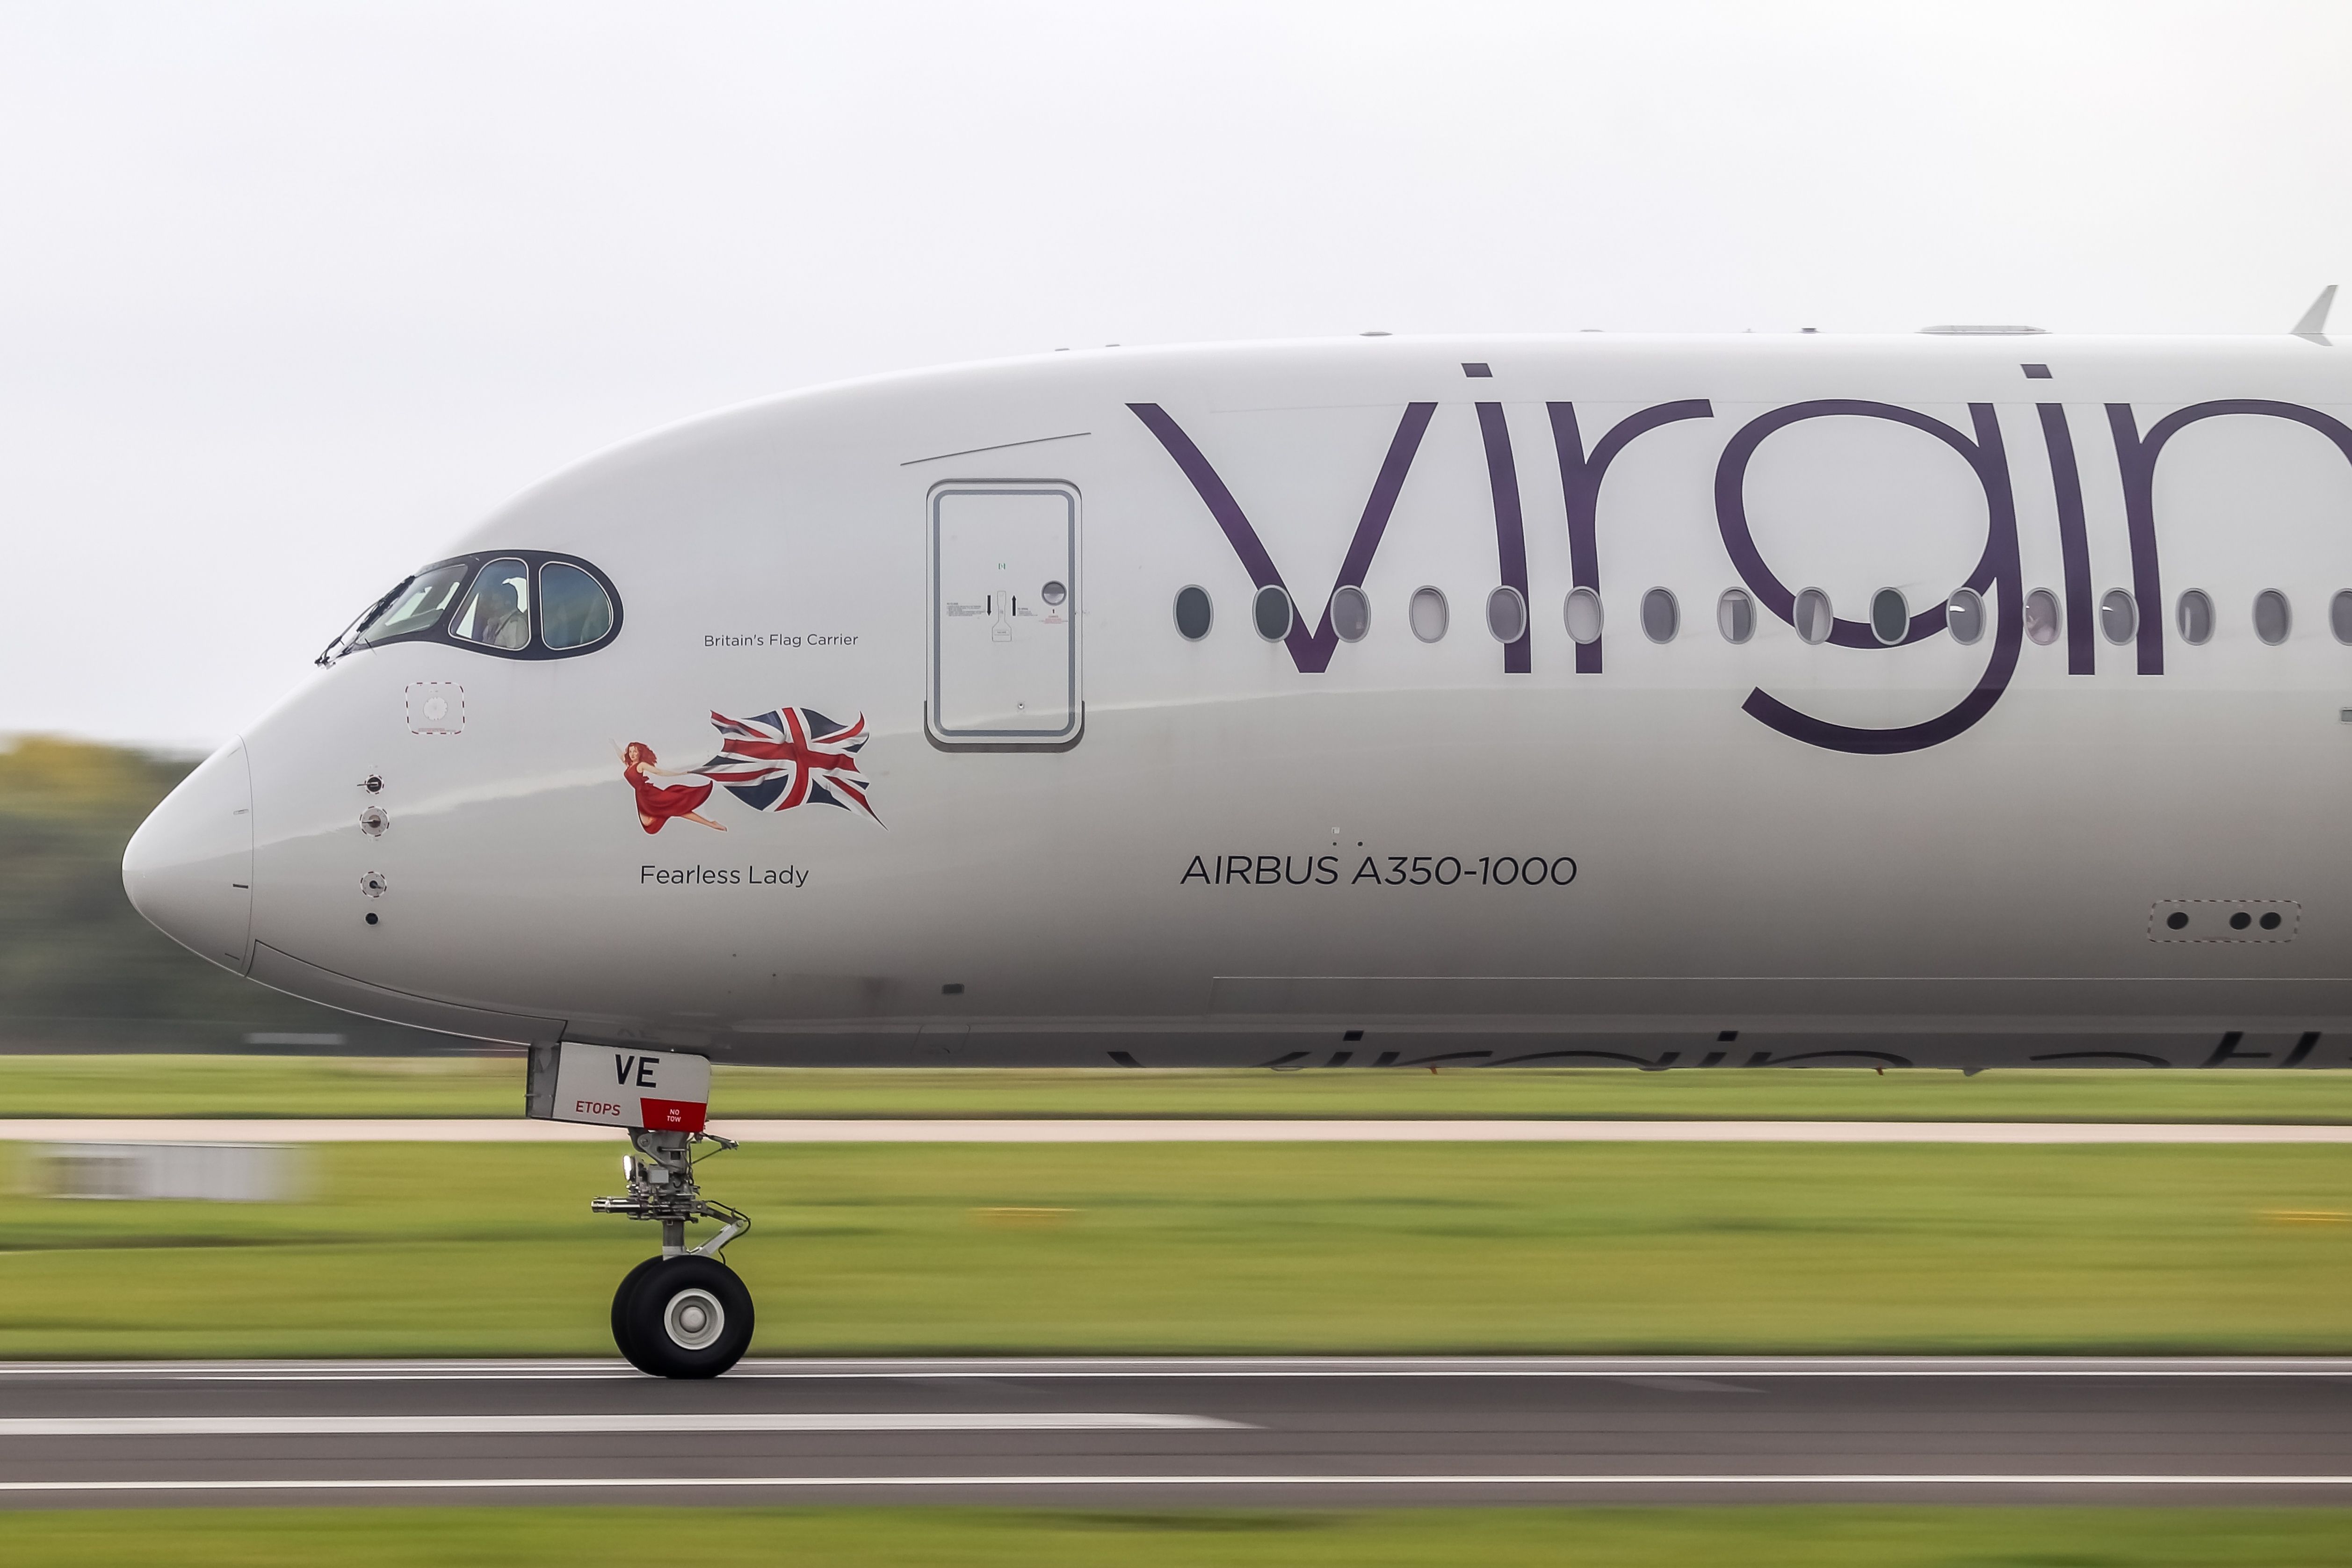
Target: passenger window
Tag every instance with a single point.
(1815, 619)
(1271, 610)
(1964, 615)
(1351, 613)
(1661, 616)
(2339, 616)
(1890, 616)
(1582, 614)
(497, 613)
(2042, 617)
(415, 608)
(2195, 616)
(1193, 613)
(2118, 617)
(1506, 615)
(574, 608)
(1735, 615)
(2272, 619)
(1428, 614)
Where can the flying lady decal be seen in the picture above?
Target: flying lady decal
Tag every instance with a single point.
(658, 803)
(774, 761)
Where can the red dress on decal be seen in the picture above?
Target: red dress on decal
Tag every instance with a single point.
(657, 804)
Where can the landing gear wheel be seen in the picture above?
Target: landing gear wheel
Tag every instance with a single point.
(687, 1317)
(621, 1312)
(685, 1313)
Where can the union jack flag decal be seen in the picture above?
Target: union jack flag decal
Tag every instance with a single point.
(789, 757)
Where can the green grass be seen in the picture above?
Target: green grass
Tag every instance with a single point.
(489, 1250)
(492, 1086)
(1774, 1537)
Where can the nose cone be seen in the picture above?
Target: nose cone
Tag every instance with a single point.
(189, 868)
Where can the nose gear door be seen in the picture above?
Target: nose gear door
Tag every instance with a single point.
(1004, 616)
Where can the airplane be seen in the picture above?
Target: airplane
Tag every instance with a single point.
(1979, 697)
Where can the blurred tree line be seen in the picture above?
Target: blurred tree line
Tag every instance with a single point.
(79, 970)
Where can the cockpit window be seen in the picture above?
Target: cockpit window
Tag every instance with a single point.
(574, 608)
(482, 603)
(417, 606)
(497, 613)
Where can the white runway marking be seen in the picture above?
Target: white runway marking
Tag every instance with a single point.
(460, 1426)
(501, 1130)
(614, 1483)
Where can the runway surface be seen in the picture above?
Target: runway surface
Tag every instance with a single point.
(1251, 1432)
(501, 1130)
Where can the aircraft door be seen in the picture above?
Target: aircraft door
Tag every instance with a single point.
(1004, 615)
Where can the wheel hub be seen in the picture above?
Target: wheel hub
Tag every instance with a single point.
(694, 1320)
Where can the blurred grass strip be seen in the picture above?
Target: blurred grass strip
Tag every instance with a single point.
(492, 1086)
(412, 1249)
(1752, 1537)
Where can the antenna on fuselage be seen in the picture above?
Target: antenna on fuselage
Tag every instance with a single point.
(2313, 328)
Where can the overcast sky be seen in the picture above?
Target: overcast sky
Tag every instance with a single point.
(290, 293)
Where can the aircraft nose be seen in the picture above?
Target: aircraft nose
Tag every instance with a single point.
(189, 868)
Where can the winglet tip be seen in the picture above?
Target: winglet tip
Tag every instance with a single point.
(2314, 324)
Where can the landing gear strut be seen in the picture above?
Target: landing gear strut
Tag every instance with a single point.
(685, 1313)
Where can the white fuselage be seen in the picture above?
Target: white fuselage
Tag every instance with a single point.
(1087, 839)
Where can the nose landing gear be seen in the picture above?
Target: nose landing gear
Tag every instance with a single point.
(685, 1313)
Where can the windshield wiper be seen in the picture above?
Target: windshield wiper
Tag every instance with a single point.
(342, 641)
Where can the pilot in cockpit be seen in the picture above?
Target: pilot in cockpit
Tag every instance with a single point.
(498, 618)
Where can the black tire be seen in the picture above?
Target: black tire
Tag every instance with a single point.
(669, 1318)
(621, 1312)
